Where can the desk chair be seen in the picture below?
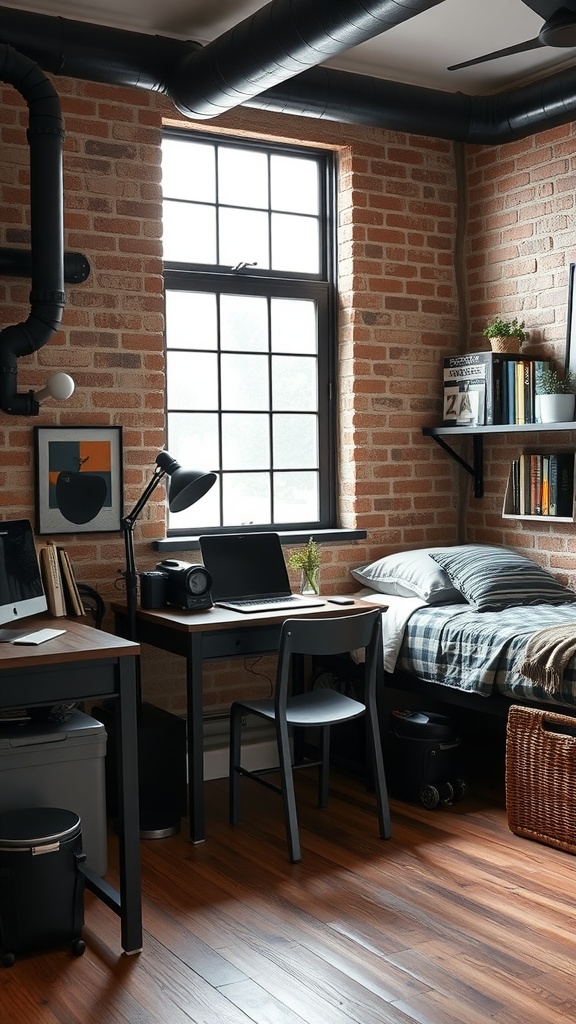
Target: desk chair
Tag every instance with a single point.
(318, 708)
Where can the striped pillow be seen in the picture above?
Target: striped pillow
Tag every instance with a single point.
(492, 578)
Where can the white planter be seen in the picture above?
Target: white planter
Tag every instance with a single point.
(556, 408)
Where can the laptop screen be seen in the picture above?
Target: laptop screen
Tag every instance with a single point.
(245, 565)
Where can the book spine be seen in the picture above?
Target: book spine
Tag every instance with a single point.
(545, 485)
(511, 391)
(535, 485)
(52, 580)
(519, 393)
(553, 484)
(565, 484)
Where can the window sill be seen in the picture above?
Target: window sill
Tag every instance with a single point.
(343, 536)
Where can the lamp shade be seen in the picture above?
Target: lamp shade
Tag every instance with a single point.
(187, 486)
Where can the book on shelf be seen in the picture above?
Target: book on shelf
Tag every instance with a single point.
(464, 404)
(72, 597)
(561, 475)
(52, 579)
(535, 485)
(509, 385)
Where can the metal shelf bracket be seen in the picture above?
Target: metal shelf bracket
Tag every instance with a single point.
(476, 470)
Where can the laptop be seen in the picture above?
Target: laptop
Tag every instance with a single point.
(249, 573)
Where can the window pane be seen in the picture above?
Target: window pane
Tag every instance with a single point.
(243, 238)
(193, 439)
(245, 441)
(246, 499)
(191, 320)
(294, 327)
(189, 233)
(295, 442)
(244, 382)
(295, 244)
(294, 184)
(294, 383)
(244, 322)
(295, 497)
(191, 380)
(188, 170)
(242, 177)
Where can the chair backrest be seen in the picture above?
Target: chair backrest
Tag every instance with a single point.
(339, 635)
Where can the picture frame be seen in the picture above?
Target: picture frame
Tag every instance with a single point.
(79, 479)
(571, 321)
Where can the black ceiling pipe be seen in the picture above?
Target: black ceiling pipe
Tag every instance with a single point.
(277, 42)
(45, 139)
(102, 54)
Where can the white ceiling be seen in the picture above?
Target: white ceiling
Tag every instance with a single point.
(417, 52)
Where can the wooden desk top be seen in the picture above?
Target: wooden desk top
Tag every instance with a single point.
(223, 618)
(80, 642)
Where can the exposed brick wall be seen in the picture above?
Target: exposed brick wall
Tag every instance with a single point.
(398, 313)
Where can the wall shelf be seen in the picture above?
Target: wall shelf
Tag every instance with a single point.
(476, 469)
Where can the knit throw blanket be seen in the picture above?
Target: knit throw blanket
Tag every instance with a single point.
(546, 656)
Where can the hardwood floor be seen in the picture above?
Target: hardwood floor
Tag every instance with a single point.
(452, 920)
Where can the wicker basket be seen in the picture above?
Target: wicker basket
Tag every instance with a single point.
(509, 344)
(541, 776)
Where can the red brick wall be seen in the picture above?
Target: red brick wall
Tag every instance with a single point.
(399, 316)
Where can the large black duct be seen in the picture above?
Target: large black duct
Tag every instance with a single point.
(240, 67)
(277, 42)
(45, 138)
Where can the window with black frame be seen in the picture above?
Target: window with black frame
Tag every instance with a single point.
(250, 348)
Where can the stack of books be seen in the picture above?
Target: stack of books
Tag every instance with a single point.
(486, 388)
(60, 585)
(542, 484)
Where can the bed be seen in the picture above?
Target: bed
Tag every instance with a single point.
(462, 624)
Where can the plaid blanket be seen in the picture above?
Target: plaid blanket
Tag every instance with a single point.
(483, 651)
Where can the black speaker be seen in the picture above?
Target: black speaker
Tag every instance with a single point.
(161, 768)
(153, 589)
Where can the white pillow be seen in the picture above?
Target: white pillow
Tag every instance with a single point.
(410, 574)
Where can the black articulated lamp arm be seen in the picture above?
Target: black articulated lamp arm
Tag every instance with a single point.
(127, 524)
(186, 487)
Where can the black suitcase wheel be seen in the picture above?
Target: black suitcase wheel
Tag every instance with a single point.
(429, 796)
(78, 947)
(446, 793)
(459, 789)
(7, 959)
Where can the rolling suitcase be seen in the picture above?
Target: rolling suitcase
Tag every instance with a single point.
(41, 885)
(425, 758)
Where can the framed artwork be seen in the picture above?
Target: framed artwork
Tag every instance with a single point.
(79, 486)
(571, 321)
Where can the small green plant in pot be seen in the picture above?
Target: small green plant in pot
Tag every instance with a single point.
(505, 335)
(555, 393)
(308, 561)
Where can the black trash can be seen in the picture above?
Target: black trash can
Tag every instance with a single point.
(424, 758)
(41, 886)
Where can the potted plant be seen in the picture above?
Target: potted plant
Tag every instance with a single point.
(308, 561)
(505, 335)
(556, 395)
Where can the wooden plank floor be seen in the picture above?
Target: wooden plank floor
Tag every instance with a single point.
(452, 920)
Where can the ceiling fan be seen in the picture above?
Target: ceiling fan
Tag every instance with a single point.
(559, 29)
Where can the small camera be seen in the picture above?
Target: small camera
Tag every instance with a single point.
(187, 585)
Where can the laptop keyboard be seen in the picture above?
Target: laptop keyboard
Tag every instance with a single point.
(262, 604)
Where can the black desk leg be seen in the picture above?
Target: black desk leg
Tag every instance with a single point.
(194, 704)
(128, 808)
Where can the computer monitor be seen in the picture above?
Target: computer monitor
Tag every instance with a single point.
(21, 590)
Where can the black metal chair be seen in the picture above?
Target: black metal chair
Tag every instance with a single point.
(319, 708)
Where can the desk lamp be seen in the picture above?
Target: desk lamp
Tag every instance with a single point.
(186, 487)
(156, 731)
